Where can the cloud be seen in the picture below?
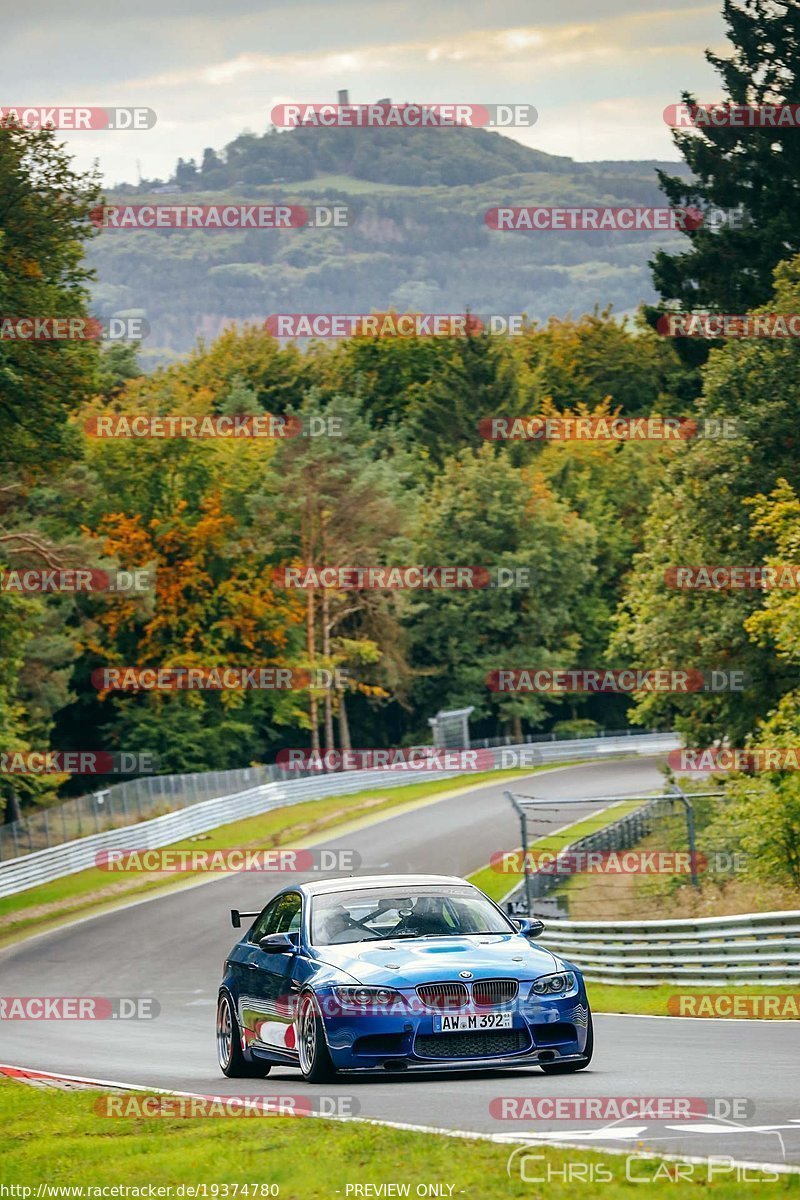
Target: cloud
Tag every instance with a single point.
(544, 46)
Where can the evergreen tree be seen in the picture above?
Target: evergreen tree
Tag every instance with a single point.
(757, 170)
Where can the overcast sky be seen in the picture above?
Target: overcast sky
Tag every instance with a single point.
(600, 75)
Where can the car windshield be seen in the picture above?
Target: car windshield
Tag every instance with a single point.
(384, 914)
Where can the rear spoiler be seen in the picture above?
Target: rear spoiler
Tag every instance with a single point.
(236, 917)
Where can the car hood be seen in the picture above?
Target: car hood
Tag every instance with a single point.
(408, 962)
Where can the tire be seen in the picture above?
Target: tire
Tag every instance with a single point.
(312, 1049)
(229, 1045)
(569, 1068)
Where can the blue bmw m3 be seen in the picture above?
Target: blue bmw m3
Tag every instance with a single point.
(396, 973)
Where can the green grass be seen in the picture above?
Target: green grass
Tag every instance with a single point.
(498, 884)
(92, 890)
(57, 1138)
(654, 1001)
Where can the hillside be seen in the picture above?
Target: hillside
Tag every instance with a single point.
(417, 239)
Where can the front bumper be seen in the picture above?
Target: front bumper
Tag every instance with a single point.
(546, 1030)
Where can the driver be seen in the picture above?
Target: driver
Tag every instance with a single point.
(424, 920)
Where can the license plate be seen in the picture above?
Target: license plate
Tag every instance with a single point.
(466, 1021)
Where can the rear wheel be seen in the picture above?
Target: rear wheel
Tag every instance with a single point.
(312, 1049)
(569, 1068)
(229, 1045)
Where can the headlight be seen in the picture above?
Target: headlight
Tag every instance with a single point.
(367, 997)
(562, 984)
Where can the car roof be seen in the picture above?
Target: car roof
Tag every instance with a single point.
(354, 883)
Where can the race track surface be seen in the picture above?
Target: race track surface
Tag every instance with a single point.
(173, 946)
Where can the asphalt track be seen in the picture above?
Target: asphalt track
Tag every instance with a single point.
(172, 948)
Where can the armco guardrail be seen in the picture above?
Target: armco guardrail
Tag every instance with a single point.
(755, 948)
(115, 805)
(18, 874)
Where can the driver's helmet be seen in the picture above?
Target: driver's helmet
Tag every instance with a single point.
(426, 916)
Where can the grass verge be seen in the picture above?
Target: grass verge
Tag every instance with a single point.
(765, 1002)
(93, 890)
(306, 1159)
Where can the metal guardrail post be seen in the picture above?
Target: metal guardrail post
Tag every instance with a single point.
(526, 866)
(690, 830)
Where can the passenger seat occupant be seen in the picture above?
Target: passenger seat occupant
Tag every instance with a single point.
(336, 922)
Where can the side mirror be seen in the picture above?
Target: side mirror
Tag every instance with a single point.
(277, 943)
(529, 927)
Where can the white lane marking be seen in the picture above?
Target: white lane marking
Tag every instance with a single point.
(624, 1134)
(467, 1135)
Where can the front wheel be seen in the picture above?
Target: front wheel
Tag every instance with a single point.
(312, 1049)
(569, 1068)
(229, 1045)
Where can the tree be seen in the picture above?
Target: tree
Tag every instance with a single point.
(186, 173)
(702, 515)
(482, 511)
(756, 169)
(609, 484)
(384, 371)
(338, 503)
(44, 223)
(475, 378)
(181, 507)
(597, 357)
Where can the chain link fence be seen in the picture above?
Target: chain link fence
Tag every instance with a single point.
(127, 803)
(622, 834)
